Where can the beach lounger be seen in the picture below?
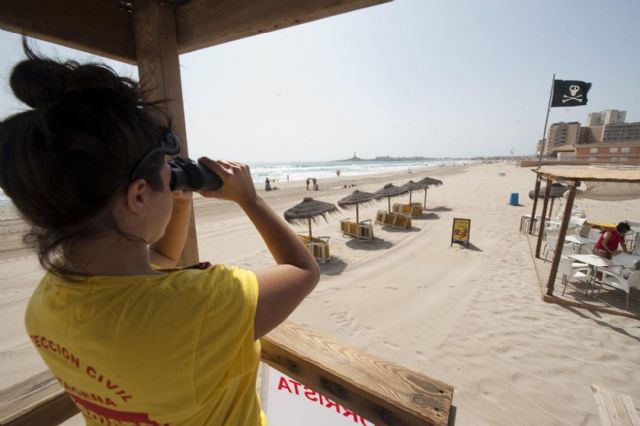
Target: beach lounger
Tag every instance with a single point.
(365, 230)
(390, 219)
(403, 221)
(413, 209)
(360, 231)
(318, 246)
(380, 217)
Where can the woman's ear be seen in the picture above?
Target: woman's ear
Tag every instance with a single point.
(137, 196)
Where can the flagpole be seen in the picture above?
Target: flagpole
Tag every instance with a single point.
(537, 187)
(546, 120)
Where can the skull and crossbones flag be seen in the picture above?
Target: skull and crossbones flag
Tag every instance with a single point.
(569, 93)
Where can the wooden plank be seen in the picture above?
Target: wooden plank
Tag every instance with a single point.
(95, 26)
(39, 400)
(159, 70)
(207, 23)
(614, 408)
(382, 392)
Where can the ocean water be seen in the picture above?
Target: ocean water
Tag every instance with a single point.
(301, 170)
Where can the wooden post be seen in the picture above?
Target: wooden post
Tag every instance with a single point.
(535, 204)
(544, 217)
(561, 235)
(156, 42)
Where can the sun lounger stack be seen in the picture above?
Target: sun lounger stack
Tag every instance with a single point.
(396, 220)
(360, 231)
(318, 246)
(413, 209)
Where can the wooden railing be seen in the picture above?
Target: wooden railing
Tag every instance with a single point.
(380, 391)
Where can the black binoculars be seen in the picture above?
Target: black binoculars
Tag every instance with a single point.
(186, 175)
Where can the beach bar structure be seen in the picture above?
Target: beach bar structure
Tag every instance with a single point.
(151, 34)
(572, 176)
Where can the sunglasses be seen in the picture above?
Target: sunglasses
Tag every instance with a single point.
(169, 145)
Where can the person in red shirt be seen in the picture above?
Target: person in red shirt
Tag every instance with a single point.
(608, 242)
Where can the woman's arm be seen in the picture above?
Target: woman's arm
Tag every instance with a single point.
(167, 250)
(624, 245)
(283, 287)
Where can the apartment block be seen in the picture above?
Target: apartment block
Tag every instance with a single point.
(609, 116)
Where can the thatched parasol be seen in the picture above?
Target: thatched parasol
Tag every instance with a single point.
(427, 182)
(308, 210)
(557, 190)
(389, 191)
(356, 198)
(414, 186)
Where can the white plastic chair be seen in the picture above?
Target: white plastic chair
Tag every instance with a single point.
(617, 281)
(571, 271)
(551, 241)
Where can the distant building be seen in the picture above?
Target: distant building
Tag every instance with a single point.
(627, 132)
(562, 137)
(611, 143)
(608, 116)
(628, 153)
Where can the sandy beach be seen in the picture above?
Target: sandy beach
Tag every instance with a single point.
(472, 318)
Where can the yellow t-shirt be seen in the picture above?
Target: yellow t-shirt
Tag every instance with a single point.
(170, 349)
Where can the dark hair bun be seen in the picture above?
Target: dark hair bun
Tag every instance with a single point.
(39, 82)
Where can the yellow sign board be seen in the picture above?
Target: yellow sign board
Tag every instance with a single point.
(460, 231)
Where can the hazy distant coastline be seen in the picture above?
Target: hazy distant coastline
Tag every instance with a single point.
(418, 158)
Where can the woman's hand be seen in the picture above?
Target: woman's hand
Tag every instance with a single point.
(237, 184)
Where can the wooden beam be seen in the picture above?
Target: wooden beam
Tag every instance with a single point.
(535, 204)
(39, 400)
(94, 26)
(207, 23)
(159, 70)
(380, 391)
(561, 234)
(547, 191)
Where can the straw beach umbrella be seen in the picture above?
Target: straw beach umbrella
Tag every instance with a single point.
(427, 182)
(308, 210)
(413, 186)
(356, 198)
(389, 191)
(557, 190)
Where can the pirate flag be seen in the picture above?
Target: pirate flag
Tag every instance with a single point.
(569, 93)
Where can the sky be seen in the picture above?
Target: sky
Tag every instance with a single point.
(406, 78)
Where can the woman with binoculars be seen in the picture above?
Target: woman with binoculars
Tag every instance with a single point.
(86, 166)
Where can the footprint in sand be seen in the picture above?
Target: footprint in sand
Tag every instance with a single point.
(342, 318)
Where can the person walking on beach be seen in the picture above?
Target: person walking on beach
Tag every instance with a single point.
(267, 185)
(609, 241)
(86, 166)
(307, 184)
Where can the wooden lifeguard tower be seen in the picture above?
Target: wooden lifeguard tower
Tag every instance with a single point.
(152, 34)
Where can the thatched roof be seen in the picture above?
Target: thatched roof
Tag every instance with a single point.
(357, 197)
(389, 190)
(309, 209)
(590, 173)
(430, 181)
(557, 190)
(414, 186)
